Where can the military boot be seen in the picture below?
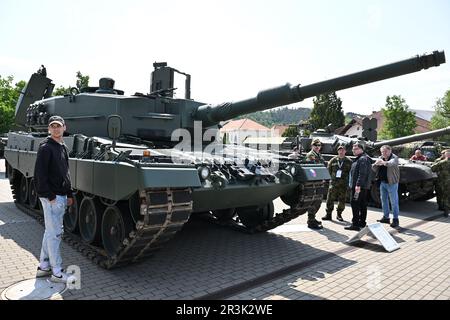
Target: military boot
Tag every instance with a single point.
(339, 216)
(314, 224)
(327, 216)
(384, 220)
(394, 223)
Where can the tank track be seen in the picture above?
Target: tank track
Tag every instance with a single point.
(310, 193)
(167, 211)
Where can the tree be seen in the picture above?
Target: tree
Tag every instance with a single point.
(60, 91)
(441, 118)
(398, 120)
(282, 116)
(291, 131)
(9, 95)
(82, 81)
(327, 109)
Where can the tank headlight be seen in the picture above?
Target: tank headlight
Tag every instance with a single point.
(293, 170)
(204, 173)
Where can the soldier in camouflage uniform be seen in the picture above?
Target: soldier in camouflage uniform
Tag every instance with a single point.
(315, 157)
(442, 168)
(339, 168)
(437, 186)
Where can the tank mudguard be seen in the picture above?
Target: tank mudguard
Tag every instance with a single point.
(118, 180)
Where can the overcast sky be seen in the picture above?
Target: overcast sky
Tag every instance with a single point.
(231, 48)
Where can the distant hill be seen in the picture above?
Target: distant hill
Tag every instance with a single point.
(353, 114)
(350, 115)
(283, 116)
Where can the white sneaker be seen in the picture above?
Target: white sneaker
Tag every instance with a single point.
(40, 273)
(61, 277)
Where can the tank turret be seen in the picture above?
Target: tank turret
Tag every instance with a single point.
(156, 115)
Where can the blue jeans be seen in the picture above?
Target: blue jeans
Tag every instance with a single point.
(389, 192)
(53, 217)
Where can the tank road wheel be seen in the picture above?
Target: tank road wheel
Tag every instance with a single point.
(22, 195)
(224, 214)
(429, 195)
(134, 207)
(116, 225)
(90, 216)
(107, 202)
(32, 195)
(71, 215)
(253, 216)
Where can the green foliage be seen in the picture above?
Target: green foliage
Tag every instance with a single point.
(327, 109)
(399, 121)
(348, 119)
(291, 131)
(60, 91)
(441, 118)
(82, 81)
(6, 117)
(9, 95)
(282, 116)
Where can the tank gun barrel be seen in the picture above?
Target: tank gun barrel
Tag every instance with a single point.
(412, 138)
(287, 94)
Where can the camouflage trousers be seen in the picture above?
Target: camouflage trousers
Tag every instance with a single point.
(313, 210)
(339, 193)
(443, 196)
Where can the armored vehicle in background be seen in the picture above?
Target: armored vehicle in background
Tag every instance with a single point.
(139, 175)
(430, 149)
(416, 178)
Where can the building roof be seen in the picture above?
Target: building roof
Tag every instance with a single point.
(264, 140)
(243, 124)
(342, 130)
(423, 118)
(424, 114)
(280, 128)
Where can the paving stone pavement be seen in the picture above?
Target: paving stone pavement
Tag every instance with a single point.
(204, 259)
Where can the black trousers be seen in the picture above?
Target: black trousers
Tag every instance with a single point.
(359, 207)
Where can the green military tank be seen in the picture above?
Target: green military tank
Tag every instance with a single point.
(431, 149)
(139, 175)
